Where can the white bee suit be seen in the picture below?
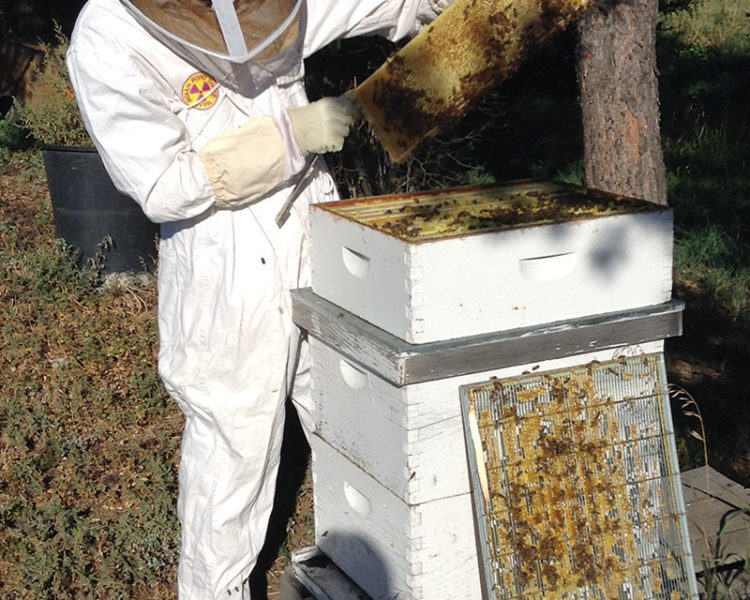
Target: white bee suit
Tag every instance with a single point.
(229, 352)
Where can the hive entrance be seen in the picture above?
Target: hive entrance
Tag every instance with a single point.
(575, 484)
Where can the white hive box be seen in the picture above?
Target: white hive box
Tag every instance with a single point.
(455, 263)
(389, 548)
(408, 438)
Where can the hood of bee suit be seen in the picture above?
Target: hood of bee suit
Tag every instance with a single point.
(245, 45)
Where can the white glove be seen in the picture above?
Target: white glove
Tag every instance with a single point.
(429, 10)
(323, 125)
(439, 5)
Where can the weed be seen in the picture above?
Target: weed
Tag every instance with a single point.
(88, 437)
(12, 137)
(689, 408)
(51, 112)
(572, 174)
(704, 24)
(710, 259)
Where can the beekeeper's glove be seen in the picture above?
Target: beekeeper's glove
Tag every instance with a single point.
(429, 10)
(323, 125)
(245, 163)
(439, 5)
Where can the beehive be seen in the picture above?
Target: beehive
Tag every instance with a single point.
(461, 262)
(393, 507)
(416, 295)
(390, 471)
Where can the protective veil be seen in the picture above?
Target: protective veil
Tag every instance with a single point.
(243, 43)
(155, 96)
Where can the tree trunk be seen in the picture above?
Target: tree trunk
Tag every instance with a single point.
(617, 78)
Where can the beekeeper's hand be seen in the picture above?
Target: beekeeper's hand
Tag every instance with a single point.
(323, 125)
(429, 10)
(440, 5)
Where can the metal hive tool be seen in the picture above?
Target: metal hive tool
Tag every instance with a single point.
(576, 484)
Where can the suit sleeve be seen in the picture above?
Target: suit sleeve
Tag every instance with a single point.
(143, 144)
(329, 20)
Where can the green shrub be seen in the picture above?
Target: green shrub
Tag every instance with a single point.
(710, 24)
(51, 113)
(12, 135)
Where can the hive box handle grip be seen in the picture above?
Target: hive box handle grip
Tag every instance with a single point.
(355, 262)
(357, 500)
(352, 376)
(550, 268)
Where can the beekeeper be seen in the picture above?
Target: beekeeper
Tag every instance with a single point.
(199, 114)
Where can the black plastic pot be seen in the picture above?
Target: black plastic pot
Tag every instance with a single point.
(89, 212)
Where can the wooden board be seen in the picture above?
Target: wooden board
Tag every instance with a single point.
(291, 587)
(718, 517)
(320, 577)
(401, 362)
(409, 438)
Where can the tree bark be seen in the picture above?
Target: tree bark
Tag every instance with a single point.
(617, 78)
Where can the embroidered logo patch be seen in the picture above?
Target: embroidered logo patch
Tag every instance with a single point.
(196, 91)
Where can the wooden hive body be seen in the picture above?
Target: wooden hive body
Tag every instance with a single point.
(393, 506)
(408, 438)
(470, 274)
(389, 548)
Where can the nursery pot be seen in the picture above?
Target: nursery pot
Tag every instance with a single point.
(92, 216)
